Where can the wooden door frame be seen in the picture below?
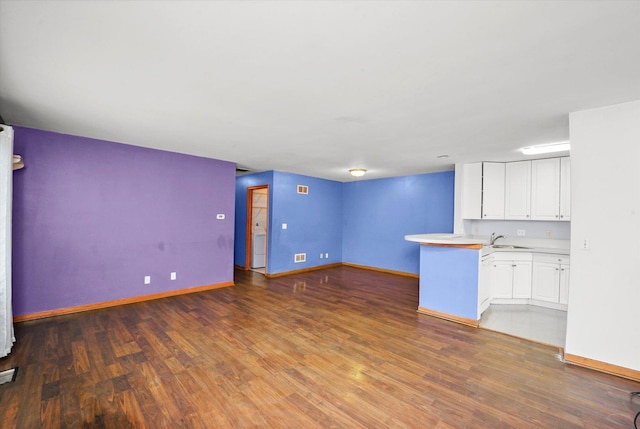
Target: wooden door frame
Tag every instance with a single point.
(249, 225)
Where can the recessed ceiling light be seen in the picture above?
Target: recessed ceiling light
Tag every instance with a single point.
(357, 172)
(547, 148)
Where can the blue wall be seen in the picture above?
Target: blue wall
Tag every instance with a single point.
(449, 280)
(314, 221)
(242, 183)
(379, 213)
(361, 222)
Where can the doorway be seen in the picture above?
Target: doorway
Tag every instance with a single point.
(257, 228)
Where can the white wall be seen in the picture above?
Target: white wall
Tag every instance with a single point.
(532, 228)
(604, 300)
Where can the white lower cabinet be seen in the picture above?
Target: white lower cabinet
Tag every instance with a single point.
(546, 282)
(550, 280)
(511, 276)
(564, 284)
(484, 284)
(524, 278)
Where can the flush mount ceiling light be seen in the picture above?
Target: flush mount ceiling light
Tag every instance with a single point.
(357, 172)
(547, 148)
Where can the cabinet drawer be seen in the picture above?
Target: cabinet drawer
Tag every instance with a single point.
(512, 256)
(551, 258)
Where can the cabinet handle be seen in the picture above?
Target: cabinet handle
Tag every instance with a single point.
(557, 269)
(514, 266)
(527, 215)
(556, 216)
(561, 216)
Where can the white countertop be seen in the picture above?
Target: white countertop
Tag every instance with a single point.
(487, 250)
(559, 247)
(444, 239)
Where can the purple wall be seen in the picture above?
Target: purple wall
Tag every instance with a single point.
(91, 218)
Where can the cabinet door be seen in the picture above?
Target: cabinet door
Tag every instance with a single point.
(545, 189)
(521, 279)
(492, 190)
(517, 190)
(545, 282)
(472, 191)
(565, 188)
(484, 289)
(564, 284)
(502, 279)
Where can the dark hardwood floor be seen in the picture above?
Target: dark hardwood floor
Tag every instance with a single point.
(340, 347)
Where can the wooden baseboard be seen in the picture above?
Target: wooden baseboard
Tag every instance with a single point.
(608, 368)
(449, 317)
(382, 270)
(123, 301)
(302, 270)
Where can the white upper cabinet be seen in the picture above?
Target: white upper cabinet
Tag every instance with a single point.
(550, 189)
(518, 190)
(472, 191)
(545, 189)
(521, 190)
(493, 190)
(565, 188)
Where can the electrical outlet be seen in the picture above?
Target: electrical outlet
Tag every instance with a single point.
(326, 255)
(284, 226)
(173, 275)
(147, 280)
(321, 255)
(586, 244)
(549, 234)
(520, 232)
(476, 230)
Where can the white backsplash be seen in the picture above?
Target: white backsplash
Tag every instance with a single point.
(537, 233)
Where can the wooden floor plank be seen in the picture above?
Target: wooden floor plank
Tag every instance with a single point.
(341, 347)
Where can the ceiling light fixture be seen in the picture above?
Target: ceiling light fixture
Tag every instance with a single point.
(547, 148)
(357, 172)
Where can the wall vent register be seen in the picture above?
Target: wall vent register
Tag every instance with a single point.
(300, 257)
(303, 189)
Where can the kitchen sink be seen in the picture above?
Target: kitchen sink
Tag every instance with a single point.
(507, 246)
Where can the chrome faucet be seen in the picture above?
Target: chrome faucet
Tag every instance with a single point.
(493, 238)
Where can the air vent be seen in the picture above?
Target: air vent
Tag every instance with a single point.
(303, 189)
(300, 257)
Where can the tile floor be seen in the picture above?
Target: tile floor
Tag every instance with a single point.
(540, 324)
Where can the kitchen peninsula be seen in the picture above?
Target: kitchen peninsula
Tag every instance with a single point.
(450, 286)
(460, 276)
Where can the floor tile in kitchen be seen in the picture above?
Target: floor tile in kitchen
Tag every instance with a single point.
(539, 324)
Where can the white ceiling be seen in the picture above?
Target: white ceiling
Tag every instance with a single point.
(318, 87)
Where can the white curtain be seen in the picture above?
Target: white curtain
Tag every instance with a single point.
(6, 184)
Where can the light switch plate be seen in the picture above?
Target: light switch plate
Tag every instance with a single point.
(220, 216)
(520, 232)
(284, 226)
